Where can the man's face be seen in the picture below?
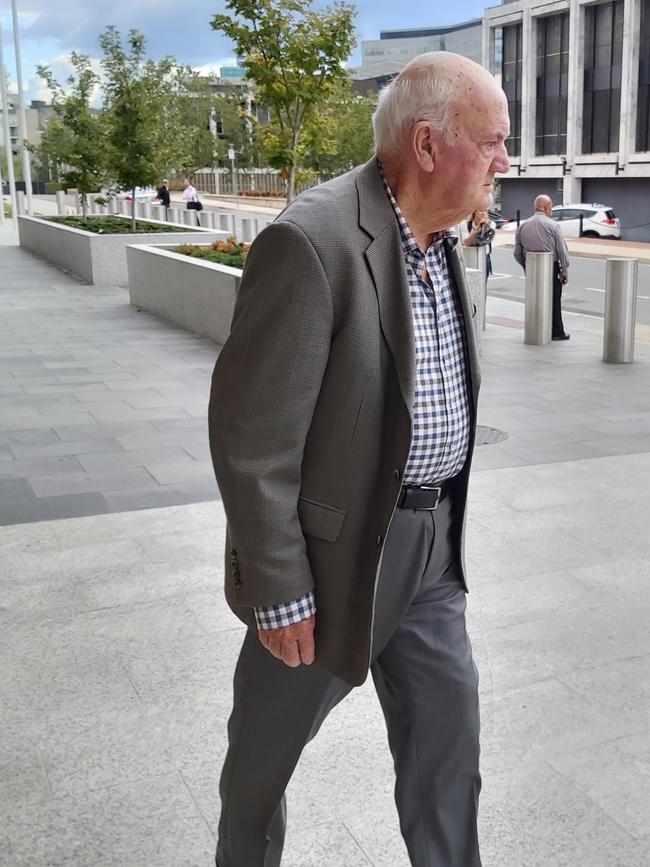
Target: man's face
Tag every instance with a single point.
(468, 166)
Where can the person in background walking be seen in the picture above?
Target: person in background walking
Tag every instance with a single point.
(541, 234)
(191, 198)
(162, 194)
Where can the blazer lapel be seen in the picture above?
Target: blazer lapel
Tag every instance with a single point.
(458, 275)
(385, 259)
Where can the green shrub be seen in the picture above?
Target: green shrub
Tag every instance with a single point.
(227, 252)
(52, 187)
(114, 225)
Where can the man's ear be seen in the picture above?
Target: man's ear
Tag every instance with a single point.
(425, 145)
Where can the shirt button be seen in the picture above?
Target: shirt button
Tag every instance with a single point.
(233, 553)
(237, 582)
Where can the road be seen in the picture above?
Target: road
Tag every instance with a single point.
(584, 293)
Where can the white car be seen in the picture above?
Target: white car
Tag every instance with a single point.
(142, 194)
(598, 221)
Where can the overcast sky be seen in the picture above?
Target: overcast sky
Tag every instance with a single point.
(51, 29)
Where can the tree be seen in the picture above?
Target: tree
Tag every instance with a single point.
(73, 139)
(193, 105)
(142, 129)
(341, 137)
(293, 57)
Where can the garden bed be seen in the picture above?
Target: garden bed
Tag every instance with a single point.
(221, 252)
(187, 290)
(115, 225)
(99, 258)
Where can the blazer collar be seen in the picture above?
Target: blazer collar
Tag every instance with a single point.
(375, 210)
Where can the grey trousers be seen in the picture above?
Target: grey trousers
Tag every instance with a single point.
(428, 687)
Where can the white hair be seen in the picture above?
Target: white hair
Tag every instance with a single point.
(423, 91)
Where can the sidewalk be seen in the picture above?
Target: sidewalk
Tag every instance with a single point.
(595, 248)
(118, 649)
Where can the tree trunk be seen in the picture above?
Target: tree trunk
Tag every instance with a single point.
(291, 185)
(84, 206)
(133, 226)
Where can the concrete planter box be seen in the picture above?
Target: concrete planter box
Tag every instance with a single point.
(96, 259)
(193, 294)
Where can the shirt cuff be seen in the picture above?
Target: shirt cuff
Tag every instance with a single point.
(286, 613)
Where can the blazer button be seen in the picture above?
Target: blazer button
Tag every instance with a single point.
(380, 539)
(396, 473)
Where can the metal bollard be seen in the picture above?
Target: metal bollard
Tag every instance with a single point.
(538, 316)
(620, 310)
(224, 222)
(60, 202)
(21, 206)
(246, 230)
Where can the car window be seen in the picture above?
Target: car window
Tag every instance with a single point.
(565, 214)
(586, 213)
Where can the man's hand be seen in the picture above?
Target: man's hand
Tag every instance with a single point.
(291, 644)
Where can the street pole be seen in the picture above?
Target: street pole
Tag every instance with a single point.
(4, 98)
(2, 201)
(231, 157)
(22, 125)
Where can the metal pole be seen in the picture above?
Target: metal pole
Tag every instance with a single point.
(22, 125)
(620, 310)
(231, 157)
(538, 315)
(7, 136)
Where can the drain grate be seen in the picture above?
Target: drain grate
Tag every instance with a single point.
(487, 436)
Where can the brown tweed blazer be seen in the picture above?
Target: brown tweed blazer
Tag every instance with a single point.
(309, 415)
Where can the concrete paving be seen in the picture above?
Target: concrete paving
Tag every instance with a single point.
(117, 648)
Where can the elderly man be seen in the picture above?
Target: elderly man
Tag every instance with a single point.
(541, 234)
(342, 419)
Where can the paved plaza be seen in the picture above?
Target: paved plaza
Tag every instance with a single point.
(117, 648)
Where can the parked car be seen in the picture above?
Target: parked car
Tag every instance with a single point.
(598, 221)
(498, 219)
(142, 194)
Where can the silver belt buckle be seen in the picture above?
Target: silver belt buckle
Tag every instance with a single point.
(438, 489)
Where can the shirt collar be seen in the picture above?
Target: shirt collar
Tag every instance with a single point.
(409, 243)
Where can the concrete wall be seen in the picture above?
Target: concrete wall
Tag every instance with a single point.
(520, 194)
(96, 259)
(628, 197)
(199, 296)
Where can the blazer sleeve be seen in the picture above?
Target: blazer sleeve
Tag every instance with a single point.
(264, 389)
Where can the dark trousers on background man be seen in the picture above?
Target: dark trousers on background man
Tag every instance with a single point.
(558, 325)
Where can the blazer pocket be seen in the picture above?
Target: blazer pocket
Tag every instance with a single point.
(320, 520)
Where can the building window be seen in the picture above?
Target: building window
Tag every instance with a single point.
(643, 111)
(602, 77)
(511, 83)
(552, 84)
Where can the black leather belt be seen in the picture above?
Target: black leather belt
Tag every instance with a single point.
(422, 497)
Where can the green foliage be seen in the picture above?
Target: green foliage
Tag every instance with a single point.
(227, 252)
(342, 136)
(142, 133)
(293, 57)
(189, 110)
(114, 225)
(74, 137)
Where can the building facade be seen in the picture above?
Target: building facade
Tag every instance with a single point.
(37, 114)
(577, 77)
(402, 45)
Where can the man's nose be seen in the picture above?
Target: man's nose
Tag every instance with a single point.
(501, 162)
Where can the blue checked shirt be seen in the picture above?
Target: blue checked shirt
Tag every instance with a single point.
(440, 413)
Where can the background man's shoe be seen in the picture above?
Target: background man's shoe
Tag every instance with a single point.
(562, 337)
